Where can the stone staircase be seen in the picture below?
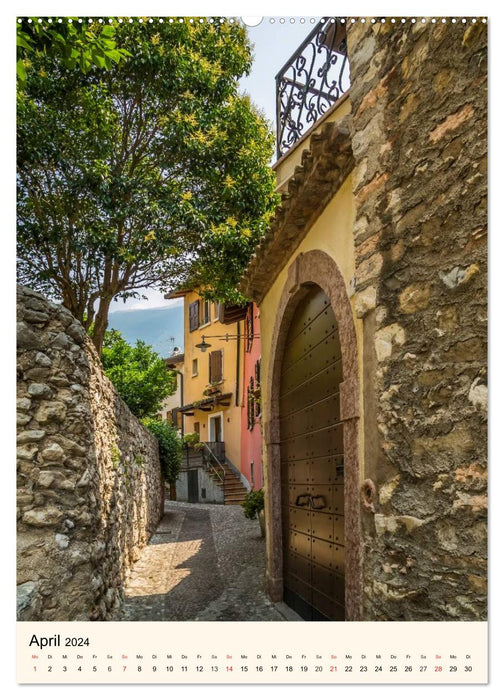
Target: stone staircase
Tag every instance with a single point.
(234, 490)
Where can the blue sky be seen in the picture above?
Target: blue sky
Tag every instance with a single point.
(274, 42)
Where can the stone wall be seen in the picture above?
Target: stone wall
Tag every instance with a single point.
(419, 140)
(90, 491)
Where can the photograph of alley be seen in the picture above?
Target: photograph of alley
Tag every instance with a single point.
(252, 319)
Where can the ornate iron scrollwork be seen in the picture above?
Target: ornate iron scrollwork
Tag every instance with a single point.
(311, 81)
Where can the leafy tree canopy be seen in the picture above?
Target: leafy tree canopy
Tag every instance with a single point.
(138, 373)
(152, 173)
(75, 42)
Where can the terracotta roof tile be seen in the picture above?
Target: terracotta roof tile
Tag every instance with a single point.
(325, 165)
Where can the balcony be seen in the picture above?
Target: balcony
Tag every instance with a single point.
(314, 78)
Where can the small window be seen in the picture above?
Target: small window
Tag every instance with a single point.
(205, 313)
(216, 311)
(197, 427)
(194, 367)
(193, 316)
(215, 366)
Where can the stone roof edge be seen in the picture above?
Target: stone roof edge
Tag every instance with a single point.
(325, 164)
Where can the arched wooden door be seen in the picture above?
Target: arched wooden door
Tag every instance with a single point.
(312, 471)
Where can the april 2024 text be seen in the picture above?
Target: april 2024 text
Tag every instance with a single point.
(55, 641)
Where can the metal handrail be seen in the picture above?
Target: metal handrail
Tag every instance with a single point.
(313, 78)
(207, 464)
(222, 478)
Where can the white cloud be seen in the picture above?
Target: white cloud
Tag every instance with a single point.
(155, 300)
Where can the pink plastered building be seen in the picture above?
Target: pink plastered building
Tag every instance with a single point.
(251, 437)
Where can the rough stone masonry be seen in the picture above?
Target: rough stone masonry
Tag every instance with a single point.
(419, 101)
(90, 490)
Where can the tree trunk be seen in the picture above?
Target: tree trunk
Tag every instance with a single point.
(100, 324)
(173, 492)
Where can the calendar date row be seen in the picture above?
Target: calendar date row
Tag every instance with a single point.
(318, 668)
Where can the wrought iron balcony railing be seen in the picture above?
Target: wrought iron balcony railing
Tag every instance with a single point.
(313, 78)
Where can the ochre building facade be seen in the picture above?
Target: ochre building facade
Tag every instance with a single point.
(213, 377)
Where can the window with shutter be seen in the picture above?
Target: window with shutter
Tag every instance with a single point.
(258, 371)
(205, 313)
(193, 316)
(258, 388)
(215, 369)
(249, 328)
(250, 404)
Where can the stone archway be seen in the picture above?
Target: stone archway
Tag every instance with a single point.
(316, 268)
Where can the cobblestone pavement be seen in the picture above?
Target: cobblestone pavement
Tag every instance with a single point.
(204, 562)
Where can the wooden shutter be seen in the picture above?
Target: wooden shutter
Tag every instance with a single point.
(249, 327)
(258, 372)
(215, 360)
(257, 394)
(193, 316)
(250, 404)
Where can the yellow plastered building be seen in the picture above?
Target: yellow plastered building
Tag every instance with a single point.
(212, 376)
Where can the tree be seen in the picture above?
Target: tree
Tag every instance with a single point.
(153, 173)
(73, 41)
(138, 373)
(170, 450)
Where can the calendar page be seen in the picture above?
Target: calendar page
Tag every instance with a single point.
(251, 349)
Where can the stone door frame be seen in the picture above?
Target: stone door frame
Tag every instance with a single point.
(315, 268)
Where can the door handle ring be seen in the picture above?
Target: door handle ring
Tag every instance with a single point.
(301, 496)
(319, 497)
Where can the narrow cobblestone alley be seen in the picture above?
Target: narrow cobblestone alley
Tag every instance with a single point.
(204, 562)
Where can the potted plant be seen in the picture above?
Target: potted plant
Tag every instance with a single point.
(253, 506)
(190, 439)
(212, 389)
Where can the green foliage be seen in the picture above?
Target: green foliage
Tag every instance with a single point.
(191, 439)
(253, 504)
(83, 45)
(138, 373)
(154, 173)
(170, 447)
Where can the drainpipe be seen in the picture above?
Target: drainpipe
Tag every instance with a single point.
(237, 392)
